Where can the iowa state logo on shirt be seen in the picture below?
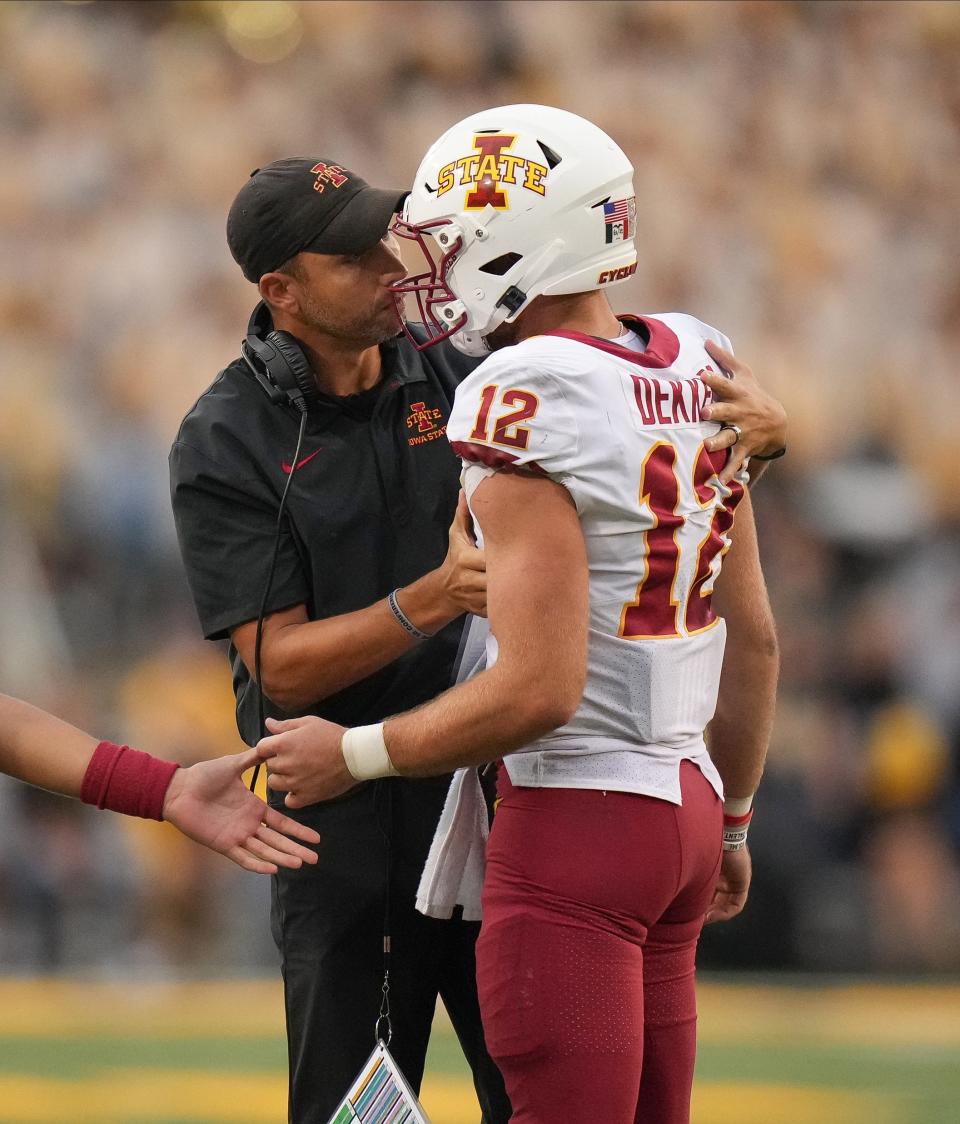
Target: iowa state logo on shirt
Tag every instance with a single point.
(488, 170)
(423, 419)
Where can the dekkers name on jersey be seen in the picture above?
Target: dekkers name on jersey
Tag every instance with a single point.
(673, 401)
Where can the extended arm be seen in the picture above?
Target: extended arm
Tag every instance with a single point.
(740, 731)
(304, 661)
(42, 750)
(207, 802)
(537, 580)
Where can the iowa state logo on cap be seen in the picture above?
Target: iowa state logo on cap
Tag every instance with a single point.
(488, 170)
(331, 174)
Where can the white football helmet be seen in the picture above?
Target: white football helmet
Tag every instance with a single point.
(512, 204)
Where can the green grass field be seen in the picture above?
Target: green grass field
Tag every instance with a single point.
(74, 1053)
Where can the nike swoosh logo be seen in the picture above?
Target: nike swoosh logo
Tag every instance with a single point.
(289, 468)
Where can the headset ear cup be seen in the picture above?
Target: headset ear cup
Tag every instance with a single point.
(297, 374)
(276, 360)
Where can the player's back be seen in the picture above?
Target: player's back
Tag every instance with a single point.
(622, 430)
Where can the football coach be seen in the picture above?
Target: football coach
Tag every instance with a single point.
(371, 513)
(333, 413)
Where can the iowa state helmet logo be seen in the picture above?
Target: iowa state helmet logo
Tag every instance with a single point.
(489, 170)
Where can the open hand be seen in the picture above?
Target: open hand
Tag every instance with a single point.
(740, 400)
(210, 804)
(733, 885)
(305, 760)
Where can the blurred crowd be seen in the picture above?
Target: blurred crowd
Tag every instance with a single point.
(798, 181)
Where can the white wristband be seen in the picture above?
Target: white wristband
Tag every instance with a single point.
(738, 806)
(735, 838)
(365, 753)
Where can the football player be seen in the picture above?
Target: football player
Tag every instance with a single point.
(606, 514)
(208, 802)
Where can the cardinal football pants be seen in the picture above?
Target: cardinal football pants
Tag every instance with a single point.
(592, 907)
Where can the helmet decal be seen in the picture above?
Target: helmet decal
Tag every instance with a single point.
(610, 275)
(487, 171)
(620, 219)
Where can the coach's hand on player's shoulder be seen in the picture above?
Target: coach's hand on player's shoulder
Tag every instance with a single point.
(740, 400)
(305, 760)
(464, 569)
(733, 886)
(210, 803)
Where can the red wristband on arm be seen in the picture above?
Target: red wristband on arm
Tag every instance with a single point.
(127, 780)
(735, 831)
(737, 821)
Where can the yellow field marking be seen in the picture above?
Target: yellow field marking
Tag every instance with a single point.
(448, 1101)
(247, 1099)
(62, 1007)
(862, 1014)
(145, 1094)
(868, 1014)
(787, 1104)
(162, 1094)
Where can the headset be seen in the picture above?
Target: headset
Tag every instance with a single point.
(277, 361)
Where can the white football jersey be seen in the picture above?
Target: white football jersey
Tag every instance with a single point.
(622, 431)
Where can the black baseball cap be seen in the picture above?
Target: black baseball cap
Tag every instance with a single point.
(305, 203)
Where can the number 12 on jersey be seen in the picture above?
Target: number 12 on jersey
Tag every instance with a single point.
(659, 608)
(507, 429)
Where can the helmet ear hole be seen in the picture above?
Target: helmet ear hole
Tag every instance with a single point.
(549, 155)
(501, 265)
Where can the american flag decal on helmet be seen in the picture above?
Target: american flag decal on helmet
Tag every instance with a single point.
(619, 219)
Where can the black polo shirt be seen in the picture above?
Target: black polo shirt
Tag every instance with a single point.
(368, 511)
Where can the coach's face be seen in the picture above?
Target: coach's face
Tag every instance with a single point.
(346, 296)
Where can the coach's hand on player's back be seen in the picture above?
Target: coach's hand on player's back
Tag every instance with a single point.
(739, 400)
(305, 758)
(464, 569)
(210, 803)
(733, 885)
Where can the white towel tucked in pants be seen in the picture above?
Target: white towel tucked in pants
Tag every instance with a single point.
(453, 874)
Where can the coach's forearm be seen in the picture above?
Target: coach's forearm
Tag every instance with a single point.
(492, 714)
(42, 750)
(306, 661)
